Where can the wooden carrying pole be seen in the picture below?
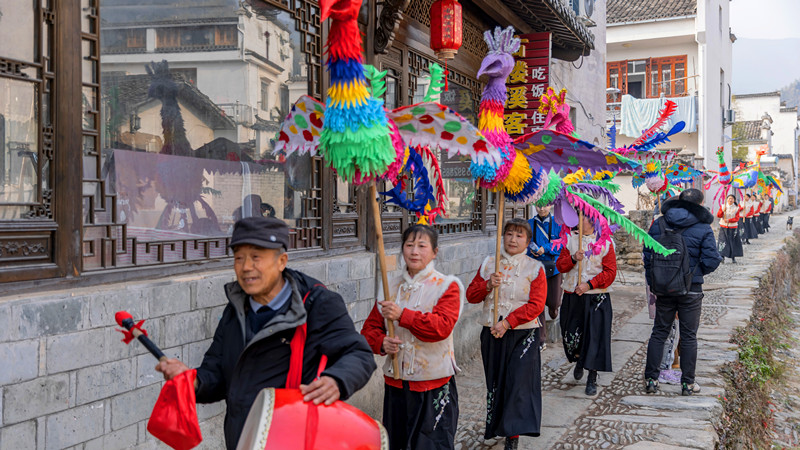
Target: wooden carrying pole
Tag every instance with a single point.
(376, 215)
(501, 206)
(580, 246)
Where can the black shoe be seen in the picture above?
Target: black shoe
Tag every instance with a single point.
(511, 443)
(591, 383)
(578, 372)
(651, 386)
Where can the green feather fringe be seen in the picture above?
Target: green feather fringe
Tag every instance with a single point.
(376, 80)
(437, 85)
(608, 184)
(364, 150)
(617, 218)
(553, 188)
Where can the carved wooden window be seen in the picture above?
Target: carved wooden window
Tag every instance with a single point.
(27, 149)
(172, 163)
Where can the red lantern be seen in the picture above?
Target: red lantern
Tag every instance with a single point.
(446, 29)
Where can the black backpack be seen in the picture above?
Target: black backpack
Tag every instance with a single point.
(671, 275)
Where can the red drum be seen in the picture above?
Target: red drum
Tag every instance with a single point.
(280, 419)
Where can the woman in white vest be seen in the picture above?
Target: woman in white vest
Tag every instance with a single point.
(510, 346)
(730, 243)
(586, 307)
(420, 406)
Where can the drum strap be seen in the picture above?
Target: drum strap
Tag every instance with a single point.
(298, 344)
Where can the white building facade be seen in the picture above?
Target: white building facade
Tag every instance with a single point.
(680, 51)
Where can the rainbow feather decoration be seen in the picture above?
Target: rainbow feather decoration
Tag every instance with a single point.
(513, 174)
(669, 109)
(355, 138)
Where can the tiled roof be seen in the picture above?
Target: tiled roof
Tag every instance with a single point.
(783, 156)
(143, 12)
(749, 130)
(558, 18)
(131, 91)
(759, 94)
(622, 11)
(789, 109)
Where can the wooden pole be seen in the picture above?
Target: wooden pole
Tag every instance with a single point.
(501, 206)
(580, 246)
(376, 215)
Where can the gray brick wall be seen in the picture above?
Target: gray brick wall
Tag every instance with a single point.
(71, 383)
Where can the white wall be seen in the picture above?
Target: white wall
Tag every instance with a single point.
(784, 127)
(585, 87)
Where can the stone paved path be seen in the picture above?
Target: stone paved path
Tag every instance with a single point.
(622, 416)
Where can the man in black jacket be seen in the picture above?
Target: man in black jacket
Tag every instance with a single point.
(688, 215)
(251, 346)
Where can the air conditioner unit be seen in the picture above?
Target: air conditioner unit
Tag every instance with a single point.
(584, 10)
(730, 116)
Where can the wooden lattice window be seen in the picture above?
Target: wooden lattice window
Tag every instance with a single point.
(173, 163)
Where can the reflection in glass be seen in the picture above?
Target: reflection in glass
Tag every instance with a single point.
(19, 146)
(186, 140)
(17, 22)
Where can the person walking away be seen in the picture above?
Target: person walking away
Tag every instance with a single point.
(510, 346)
(586, 312)
(758, 221)
(545, 230)
(729, 239)
(267, 303)
(420, 407)
(687, 217)
(750, 229)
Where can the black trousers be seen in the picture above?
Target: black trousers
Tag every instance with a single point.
(688, 308)
(553, 303)
(421, 420)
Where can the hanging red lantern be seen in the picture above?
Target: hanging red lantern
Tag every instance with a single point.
(446, 28)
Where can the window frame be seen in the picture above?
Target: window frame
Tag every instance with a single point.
(654, 68)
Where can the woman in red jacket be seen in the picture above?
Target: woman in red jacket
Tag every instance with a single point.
(420, 406)
(586, 308)
(730, 242)
(510, 346)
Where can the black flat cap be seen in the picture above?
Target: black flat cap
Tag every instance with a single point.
(264, 232)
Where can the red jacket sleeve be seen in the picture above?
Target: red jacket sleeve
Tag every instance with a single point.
(374, 330)
(476, 292)
(437, 324)
(609, 273)
(535, 305)
(721, 213)
(564, 262)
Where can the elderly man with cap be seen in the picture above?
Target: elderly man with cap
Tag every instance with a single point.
(251, 347)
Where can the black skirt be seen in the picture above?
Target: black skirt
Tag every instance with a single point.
(512, 366)
(421, 420)
(759, 224)
(586, 330)
(730, 243)
(750, 229)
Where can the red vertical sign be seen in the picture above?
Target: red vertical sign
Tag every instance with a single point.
(526, 84)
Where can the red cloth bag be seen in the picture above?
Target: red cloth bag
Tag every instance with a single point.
(174, 417)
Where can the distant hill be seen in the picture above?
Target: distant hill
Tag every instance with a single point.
(764, 65)
(791, 94)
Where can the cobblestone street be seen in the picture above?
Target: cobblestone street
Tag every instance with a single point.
(622, 415)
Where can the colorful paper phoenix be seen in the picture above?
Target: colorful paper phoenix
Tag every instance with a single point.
(353, 132)
(583, 194)
(512, 173)
(556, 109)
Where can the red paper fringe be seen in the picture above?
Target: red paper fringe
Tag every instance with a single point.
(669, 109)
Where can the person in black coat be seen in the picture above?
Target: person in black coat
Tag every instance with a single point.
(686, 213)
(268, 302)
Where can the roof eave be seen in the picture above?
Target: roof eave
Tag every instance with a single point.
(660, 19)
(571, 38)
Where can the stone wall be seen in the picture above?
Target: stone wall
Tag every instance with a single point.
(629, 251)
(66, 380)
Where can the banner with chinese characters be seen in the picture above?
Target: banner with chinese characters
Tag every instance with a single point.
(526, 84)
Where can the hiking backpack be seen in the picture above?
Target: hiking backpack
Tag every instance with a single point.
(671, 275)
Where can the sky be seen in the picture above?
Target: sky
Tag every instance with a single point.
(765, 19)
(766, 56)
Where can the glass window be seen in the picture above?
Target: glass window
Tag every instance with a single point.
(666, 79)
(19, 142)
(680, 78)
(186, 145)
